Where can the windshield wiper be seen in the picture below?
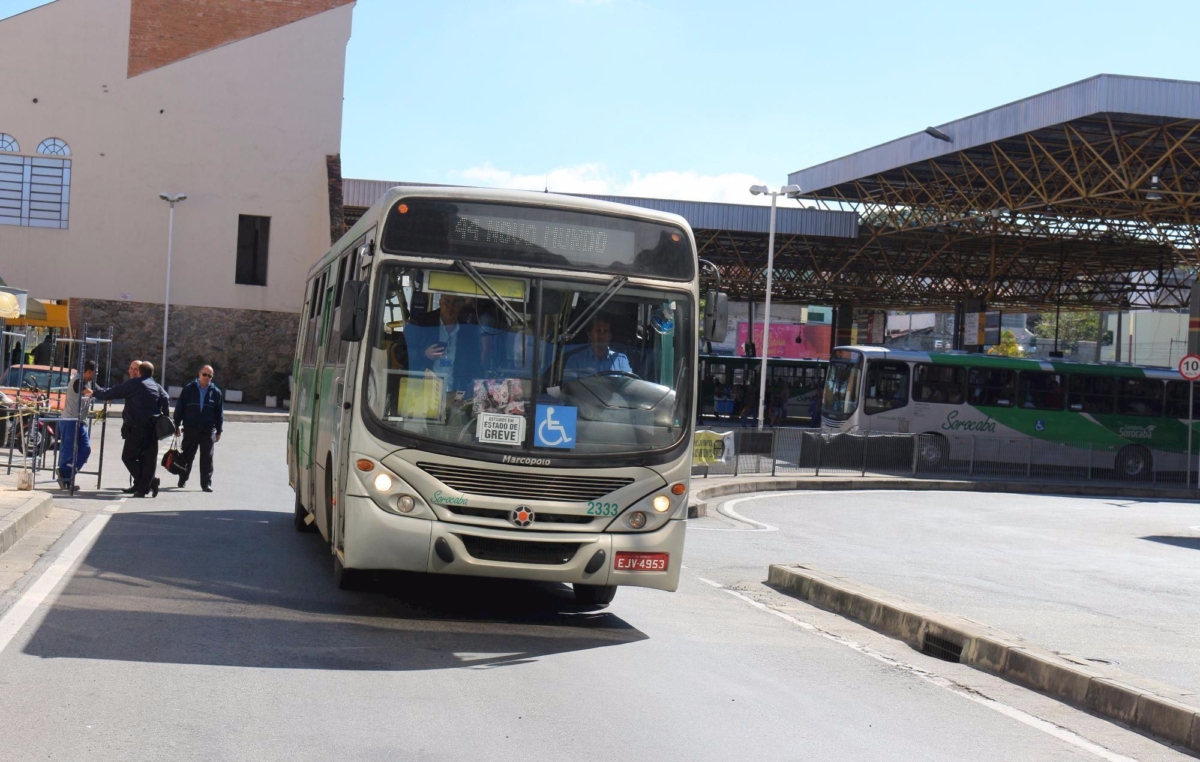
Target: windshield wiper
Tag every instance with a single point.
(614, 285)
(515, 319)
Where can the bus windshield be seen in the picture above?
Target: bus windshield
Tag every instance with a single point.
(544, 365)
(841, 390)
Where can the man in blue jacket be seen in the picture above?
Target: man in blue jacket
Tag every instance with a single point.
(144, 401)
(200, 411)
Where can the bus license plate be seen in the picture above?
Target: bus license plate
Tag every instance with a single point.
(650, 562)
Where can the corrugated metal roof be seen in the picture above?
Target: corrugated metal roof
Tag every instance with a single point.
(701, 215)
(1105, 93)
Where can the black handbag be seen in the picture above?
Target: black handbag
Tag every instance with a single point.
(163, 426)
(173, 461)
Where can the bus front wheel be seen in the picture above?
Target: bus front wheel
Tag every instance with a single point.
(1135, 463)
(343, 578)
(594, 595)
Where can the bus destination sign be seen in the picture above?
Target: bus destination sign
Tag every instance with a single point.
(550, 236)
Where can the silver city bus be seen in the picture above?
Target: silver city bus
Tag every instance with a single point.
(500, 384)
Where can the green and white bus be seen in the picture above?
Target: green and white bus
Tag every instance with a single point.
(1132, 420)
(500, 384)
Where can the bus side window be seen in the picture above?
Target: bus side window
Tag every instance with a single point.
(1140, 396)
(1177, 400)
(887, 386)
(991, 386)
(1091, 394)
(1041, 391)
(939, 383)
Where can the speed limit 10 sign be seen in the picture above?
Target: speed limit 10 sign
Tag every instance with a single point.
(1189, 367)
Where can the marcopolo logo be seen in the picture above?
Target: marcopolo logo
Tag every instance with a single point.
(516, 461)
(439, 497)
(1136, 431)
(953, 424)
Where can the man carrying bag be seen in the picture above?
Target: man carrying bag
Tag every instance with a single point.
(148, 408)
(199, 416)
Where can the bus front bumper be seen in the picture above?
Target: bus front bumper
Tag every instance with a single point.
(379, 540)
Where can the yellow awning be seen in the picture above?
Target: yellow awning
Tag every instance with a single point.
(38, 314)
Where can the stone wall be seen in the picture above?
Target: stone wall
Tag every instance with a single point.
(246, 348)
(337, 212)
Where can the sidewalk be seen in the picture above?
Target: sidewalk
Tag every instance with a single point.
(20, 511)
(708, 489)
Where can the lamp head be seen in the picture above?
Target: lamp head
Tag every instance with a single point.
(759, 190)
(791, 191)
(173, 199)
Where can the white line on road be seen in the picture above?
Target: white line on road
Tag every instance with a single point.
(726, 510)
(23, 609)
(1037, 723)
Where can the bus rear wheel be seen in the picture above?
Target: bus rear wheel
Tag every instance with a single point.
(1134, 463)
(933, 452)
(594, 595)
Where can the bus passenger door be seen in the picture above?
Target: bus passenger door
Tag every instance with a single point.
(322, 399)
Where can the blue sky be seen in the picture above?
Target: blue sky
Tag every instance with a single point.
(698, 99)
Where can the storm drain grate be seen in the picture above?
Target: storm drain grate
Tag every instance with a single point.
(940, 648)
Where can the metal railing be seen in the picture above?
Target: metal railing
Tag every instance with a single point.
(811, 452)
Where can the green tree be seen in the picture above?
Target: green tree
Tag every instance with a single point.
(1072, 327)
(1007, 347)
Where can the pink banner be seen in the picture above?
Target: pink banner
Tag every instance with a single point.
(814, 340)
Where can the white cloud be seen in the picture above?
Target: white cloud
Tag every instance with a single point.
(731, 187)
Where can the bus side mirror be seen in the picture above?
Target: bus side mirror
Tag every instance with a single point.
(354, 310)
(716, 316)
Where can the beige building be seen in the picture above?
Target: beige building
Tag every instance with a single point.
(108, 103)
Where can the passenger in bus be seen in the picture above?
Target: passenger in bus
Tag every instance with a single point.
(447, 343)
(596, 356)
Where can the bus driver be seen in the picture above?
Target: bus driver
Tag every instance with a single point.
(596, 357)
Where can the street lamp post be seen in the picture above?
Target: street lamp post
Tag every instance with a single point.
(172, 200)
(791, 191)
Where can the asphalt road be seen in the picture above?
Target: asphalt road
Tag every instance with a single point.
(202, 626)
(1099, 578)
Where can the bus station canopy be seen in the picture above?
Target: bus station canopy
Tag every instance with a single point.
(1083, 196)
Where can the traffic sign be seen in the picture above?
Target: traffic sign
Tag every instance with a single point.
(1189, 367)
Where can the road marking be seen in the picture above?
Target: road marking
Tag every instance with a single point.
(39, 591)
(946, 684)
(726, 510)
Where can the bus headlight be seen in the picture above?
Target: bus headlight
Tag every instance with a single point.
(406, 503)
(637, 519)
(383, 482)
(661, 503)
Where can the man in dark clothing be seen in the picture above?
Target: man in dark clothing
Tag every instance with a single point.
(129, 449)
(145, 400)
(200, 411)
(43, 354)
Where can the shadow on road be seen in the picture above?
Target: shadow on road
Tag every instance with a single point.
(242, 588)
(1179, 542)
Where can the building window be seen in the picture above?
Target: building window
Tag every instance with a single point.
(54, 147)
(35, 191)
(254, 234)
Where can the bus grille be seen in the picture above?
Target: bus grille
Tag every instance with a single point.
(519, 551)
(539, 518)
(524, 486)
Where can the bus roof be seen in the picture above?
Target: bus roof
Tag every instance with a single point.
(567, 203)
(1017, 363)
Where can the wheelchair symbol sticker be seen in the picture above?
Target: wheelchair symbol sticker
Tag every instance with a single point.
(554, 426)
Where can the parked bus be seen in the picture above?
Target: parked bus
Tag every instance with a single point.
(500, 384)
(1135, 419)
(727, 382)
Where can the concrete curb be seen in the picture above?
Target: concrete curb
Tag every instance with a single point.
(698, 503)
(236, 417)
(25, 517)
(1163, 711)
